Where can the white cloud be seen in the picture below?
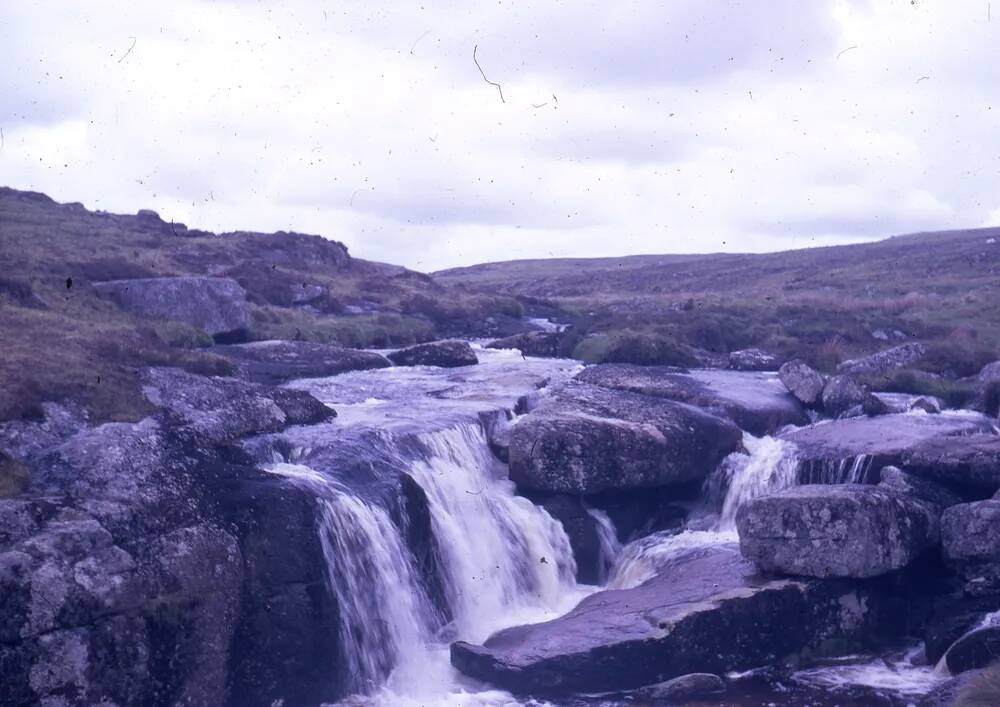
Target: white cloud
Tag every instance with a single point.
(638, 127)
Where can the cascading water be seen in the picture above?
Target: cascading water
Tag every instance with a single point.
(607, 537)
(851, 470)
(504, 561)
(502, 554)
(363, 550)
(768, 465)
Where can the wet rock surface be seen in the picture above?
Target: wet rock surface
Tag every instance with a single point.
(446, 354)
(827, 450)
(706, 613)
(837, 531)
(585, 439)
(280, 361)
(216, 305)
(755, 402)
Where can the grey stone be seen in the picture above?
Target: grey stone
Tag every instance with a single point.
(970, 537)
(802, 382)
(446, 354)
(836, 531)
(901, 356)
(216, 305)
(585, 439)
(840, 394)
(281, 361)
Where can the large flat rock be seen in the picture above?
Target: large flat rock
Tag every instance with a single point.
(707, 613)
(281, 361)
(973, 460)
(757, 402)
(828, 451)
(586, 439)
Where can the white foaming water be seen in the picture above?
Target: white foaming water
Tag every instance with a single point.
(642, 559)
(768, 466)
(504, 560)
(902, 673)
(503, 555)
(363, 550)
(610, 546)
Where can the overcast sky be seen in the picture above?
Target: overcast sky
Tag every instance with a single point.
(623, 127)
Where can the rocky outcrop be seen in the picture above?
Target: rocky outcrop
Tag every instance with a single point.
(753, 360)
(446, 354)
(837, 531)
(840, 394)
(756, 402)
(584, 439)
(901, 356)
(152, 562)
(216, 305)
(970, 536)
(280, 361)
(802, 382)
(972, 461)
(223, 409)
(534, 343)
(706, 613)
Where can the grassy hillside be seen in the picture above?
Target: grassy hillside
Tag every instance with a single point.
(62, 341)
(825, 304)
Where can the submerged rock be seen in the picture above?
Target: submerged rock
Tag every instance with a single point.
(447, 354)
(802, 382)
(281, 361)
(756, 402)
(900, 356)
(216, 305)
(683, 689)
(970, 535)
(703, 613)
(837, 531)
(584, 439)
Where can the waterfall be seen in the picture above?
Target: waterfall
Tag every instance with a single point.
(504, 561)
(607, 537)
(850, 470)
(385, 614)
(770, 465)
(501, 553)
(767, 466)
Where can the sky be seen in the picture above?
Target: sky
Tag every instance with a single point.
(617, 127)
